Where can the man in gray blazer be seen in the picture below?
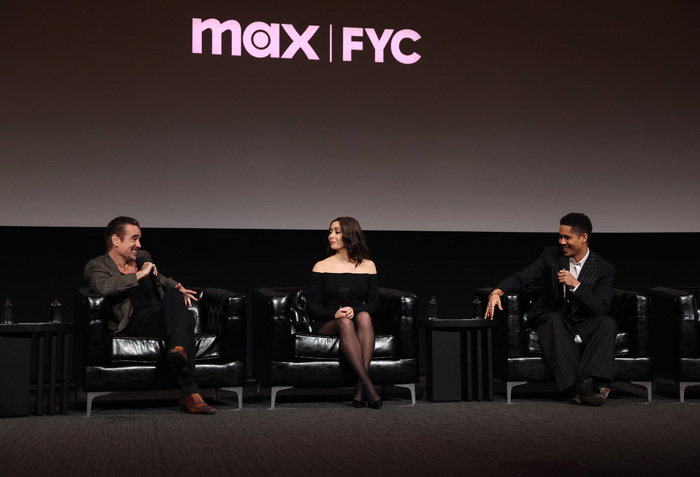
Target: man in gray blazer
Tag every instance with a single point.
(147, 303)
(577, 295)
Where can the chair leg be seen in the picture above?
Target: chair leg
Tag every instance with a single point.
(509, 388)
(411, 387)
(239, 392)
(273, 393)
(90, 397)
(647, 385)
(682, 387)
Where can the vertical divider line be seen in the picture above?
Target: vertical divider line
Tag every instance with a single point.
(330, 41)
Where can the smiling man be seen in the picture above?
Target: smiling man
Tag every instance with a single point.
(146, 303)
(577, 295)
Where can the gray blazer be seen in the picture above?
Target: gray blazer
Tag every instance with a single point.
(105, 279)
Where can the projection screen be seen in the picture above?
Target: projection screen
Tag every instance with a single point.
(409, 115)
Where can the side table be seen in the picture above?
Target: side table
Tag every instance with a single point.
(50, 352)
(459, 356)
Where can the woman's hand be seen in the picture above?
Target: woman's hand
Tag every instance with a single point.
(345, 312)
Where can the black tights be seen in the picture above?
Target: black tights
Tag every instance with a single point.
(357, 345)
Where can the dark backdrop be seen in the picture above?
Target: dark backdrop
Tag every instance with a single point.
(46, 262)
(41, 263)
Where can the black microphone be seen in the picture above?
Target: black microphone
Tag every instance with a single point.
(563, 265)
(344, 291)
(140, 261)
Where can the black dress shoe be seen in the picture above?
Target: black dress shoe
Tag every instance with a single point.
(586, 393)
(593, 400)
(603, 387)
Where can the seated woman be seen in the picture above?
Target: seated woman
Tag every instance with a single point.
(343, 294)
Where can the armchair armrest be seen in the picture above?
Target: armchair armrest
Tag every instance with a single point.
(396, 315)
(675, 315)
(512, 318)
(630, 310)
(224, 314)
(683, 301)
(272, 329)
(91, 312)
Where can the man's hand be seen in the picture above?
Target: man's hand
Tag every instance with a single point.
(146, 269)
(188, 295)
(494, 301)
(567, 278)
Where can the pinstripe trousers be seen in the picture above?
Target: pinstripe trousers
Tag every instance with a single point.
(568, 363)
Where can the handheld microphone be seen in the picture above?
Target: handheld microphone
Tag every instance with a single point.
(139, 264)
(563, 265)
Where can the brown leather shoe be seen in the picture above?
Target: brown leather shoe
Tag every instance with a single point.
(178, 357)
(194, 404)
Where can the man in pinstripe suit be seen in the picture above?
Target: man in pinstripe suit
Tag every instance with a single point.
(147, 304)
(577, 295)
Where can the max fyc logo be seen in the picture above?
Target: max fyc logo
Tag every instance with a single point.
(262, 40)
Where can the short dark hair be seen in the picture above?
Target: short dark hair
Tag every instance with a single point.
(353, 238)
(118, 226)
(578, 222)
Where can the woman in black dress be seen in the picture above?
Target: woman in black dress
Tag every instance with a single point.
(343, 295)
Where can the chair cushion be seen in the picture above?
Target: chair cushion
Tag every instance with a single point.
(622, 343)
(153, 350)
(309, 346)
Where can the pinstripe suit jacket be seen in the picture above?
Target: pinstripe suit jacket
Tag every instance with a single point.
(105, 279)
(592, 298)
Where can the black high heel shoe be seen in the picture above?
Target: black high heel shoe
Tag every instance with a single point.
(375, 404)
(359, 404)
(356, 403)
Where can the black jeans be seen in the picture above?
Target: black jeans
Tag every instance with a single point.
(174, 320)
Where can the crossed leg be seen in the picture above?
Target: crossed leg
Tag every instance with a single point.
(357, 345)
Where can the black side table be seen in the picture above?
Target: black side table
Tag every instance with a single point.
(459, 356)
(52, 340)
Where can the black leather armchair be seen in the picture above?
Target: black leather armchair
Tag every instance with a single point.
(286, 354)
(523, 355)
(124, 363)
(676, 319)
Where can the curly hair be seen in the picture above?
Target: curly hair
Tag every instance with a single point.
(353, 238)
(578, 222)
